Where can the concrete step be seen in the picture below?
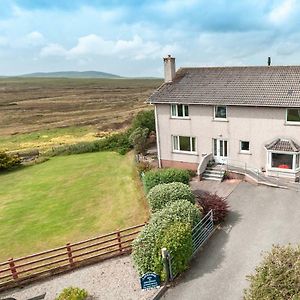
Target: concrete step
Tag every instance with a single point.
(213, 174)
(211, 178)
(217, 172)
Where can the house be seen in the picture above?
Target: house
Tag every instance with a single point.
(248, 117)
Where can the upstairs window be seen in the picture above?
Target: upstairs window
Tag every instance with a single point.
(179, 111)
(293, 115)
(184, 143)
(220, 112)
(244, 146)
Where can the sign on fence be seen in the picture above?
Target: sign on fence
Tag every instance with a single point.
(150, 281)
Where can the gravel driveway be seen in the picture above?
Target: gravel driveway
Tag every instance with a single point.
(112, 279)
(261, 216)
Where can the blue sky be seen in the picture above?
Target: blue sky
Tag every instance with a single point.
(130, 37)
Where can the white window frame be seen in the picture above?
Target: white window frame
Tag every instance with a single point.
(286, 117)
(176, 144)
(185, 116)
(244, 151)
(219, 118)
(293, 170)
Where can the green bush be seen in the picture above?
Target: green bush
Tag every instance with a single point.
(155, 177)
(8, 162)
(167, 193)
(73, 293)
(147, 246)
(144, 119)
(138, 139)
(277, 277)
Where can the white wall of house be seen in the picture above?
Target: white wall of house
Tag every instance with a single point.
(258, 125)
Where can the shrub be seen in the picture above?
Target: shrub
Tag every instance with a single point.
(166, 193)
(144, 119)
(8, 162)
(155, 177)
(138, 139)
(278, 276)
(217, 204)
(178, 240)
(147, 246)
(73, 293)
(143, 167)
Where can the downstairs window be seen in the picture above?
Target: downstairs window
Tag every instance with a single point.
(184, 143)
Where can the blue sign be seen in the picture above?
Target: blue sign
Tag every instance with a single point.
(150, 281)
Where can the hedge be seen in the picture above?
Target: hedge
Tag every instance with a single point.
(155, 177)
(146, 248)
(8, 162)
(163, 194)
(278, 276)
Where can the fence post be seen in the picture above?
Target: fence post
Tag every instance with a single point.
(13, 268)
(119, 240)
(165, 255)
(69, 251)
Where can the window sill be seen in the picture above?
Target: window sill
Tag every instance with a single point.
(282, 170)
(245, 152)
(291, 123)
(180, 118)
(219, 120)
(185, 152)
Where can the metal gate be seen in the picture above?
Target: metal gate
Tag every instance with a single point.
(200, 234)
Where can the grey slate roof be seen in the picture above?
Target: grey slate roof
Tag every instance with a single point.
(277, 86)
(284, 145)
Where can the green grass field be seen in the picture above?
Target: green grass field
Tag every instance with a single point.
(67, 199)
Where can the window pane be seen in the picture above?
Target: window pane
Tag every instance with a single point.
(180, 110)
(245, 146)
(193, 144)
(175, 142)
(293, 115)
(215, 147)
(173, 109)
(221, 147)
(297, 160)
(282, 161)
(186, 110)
(220, 112)
(225, 148)
(184, 143)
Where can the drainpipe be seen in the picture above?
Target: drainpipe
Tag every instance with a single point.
(157, 137)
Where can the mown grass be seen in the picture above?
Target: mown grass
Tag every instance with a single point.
(67, 199)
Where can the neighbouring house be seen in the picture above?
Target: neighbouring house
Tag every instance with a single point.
(241, 116)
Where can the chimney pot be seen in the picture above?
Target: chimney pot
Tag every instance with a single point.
(169, 66)
(269, 61)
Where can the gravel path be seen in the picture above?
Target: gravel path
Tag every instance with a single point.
(113, 279)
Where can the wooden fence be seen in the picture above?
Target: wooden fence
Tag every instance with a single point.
(17, 271)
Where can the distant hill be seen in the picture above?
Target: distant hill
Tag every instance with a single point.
(73, 74)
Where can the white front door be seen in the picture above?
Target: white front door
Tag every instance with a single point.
(220, 151)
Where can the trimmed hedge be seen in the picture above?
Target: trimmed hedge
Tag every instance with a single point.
(278, 276)
(163, 194)
(73, 293)
(155, 177)
(146, 248)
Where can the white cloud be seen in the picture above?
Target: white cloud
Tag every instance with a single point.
(35, 38)
(282, 12)
(92, 44)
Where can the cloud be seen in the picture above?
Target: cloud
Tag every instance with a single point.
(282, 12)
(35, 38)
(53, 50)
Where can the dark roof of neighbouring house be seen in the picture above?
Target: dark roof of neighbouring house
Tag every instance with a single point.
(284, 145)
(277, 86)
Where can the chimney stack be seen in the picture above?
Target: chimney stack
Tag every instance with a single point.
(269, 61)
(169, 65)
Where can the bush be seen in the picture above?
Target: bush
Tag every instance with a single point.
(143, 167)
(167, 193)
(147, 246)
(278, 276)
(155, 177)
(138, 139)
(178, 240)
(144, 119)
(213, 202)
(73, 293)
(8, 162)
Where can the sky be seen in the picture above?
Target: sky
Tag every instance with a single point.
(130, 37)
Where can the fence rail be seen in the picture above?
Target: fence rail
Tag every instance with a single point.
(64, 258)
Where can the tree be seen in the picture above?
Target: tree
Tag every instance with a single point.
(138, 139)
(144, 119)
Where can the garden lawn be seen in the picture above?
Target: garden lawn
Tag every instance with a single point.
(67, 199)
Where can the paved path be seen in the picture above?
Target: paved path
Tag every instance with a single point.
(261, 216)
(109, 280)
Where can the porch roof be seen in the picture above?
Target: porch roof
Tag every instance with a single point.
(285, 145)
